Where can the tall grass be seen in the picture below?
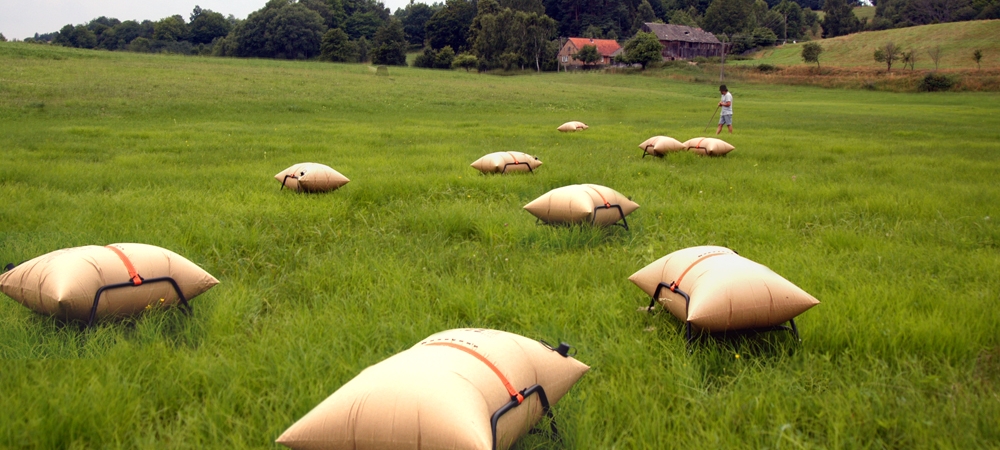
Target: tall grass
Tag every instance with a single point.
(883, 206)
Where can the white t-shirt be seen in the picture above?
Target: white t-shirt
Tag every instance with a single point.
(727, 110)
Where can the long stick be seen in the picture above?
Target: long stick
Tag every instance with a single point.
(711, 118)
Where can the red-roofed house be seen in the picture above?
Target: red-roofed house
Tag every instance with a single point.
(607, 48)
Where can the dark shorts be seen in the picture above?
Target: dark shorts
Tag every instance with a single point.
(726, 119)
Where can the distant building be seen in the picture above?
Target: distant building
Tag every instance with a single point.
(684, 42)
(607, 48)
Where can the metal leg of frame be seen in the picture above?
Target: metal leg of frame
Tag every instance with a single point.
(620, 213)
(286, 180)
(535, 389)
(97, 297)
(517, 164)
(795, 330)
(689, 335)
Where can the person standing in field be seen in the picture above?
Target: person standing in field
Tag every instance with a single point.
(726, 117)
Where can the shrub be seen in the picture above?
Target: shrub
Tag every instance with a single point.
(767, 68)
(935, 82)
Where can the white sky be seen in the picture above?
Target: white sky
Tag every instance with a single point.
(21, 19)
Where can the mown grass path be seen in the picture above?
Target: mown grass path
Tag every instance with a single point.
(883, 206)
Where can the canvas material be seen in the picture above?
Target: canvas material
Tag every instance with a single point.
(708, 146)
(660, 145)
(437, 397)
(63, 283)
(578, 203)
(727, 291)
(572, 126)
(496, 162)
(312, 177)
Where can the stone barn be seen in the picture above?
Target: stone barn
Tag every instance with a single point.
(684, 42)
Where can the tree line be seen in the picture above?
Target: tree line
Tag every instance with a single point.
(492, 34)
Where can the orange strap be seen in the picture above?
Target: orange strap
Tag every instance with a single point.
(506, 383)
(606, 204)
(699, 143)
(136, 279)
(677, 283)
(515, 157)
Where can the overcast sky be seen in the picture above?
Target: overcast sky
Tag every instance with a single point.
(21, 19)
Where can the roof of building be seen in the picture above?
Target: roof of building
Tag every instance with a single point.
(606, 47)
(683, 33)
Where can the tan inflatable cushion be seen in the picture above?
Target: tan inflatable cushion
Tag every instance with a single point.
(572, 126)
(438, 396)
(708, 146)
(311, 177)
(581, 203)
(503, 162)
(63, 283)
(728, 291)
(660, 145)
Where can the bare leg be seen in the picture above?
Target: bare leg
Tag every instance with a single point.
(720, 129)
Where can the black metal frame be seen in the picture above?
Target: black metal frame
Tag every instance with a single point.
(513, 403)
(517, 164)
(286, 179)
(672, 287)
(97, 297)
(645, 151)
(621, 213)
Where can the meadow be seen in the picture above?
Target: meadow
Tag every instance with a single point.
(884, 206)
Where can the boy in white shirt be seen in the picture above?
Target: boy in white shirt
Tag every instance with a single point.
(726, 118)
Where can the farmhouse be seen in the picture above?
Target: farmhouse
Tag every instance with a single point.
(607, 48)
(684, 42)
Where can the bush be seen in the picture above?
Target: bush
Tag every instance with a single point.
(935, 82)
(767, 68)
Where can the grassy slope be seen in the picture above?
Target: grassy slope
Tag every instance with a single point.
(884, 206)
(957, 42)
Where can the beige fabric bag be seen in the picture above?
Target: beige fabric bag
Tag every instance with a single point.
(709, 146)
(582, 203)
(504, 162)
(661, 145)
(572, 126)
(63, 283)
(311, 177)
(440, 394)
(726, 290)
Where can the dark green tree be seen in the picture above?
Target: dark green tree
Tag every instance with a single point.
(170, 28)
(588, 54)
(643, 48)
(2, 38)
(977, 56)
(728, 16)
(337, 47)
(280, 30)
(390, 44)
(839, 19)
(415, 17)
(450, 25)
(207, 25)
(811, 52)
(644, 13)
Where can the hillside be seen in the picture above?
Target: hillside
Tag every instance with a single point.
(957, 42)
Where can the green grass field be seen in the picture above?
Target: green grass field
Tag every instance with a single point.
(884, 206)
(957, 42)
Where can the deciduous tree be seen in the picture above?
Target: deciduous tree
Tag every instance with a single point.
(888, 53)
(839, 19)
(588, 55)
(811, 52)
(643, 48)
(390, 44)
